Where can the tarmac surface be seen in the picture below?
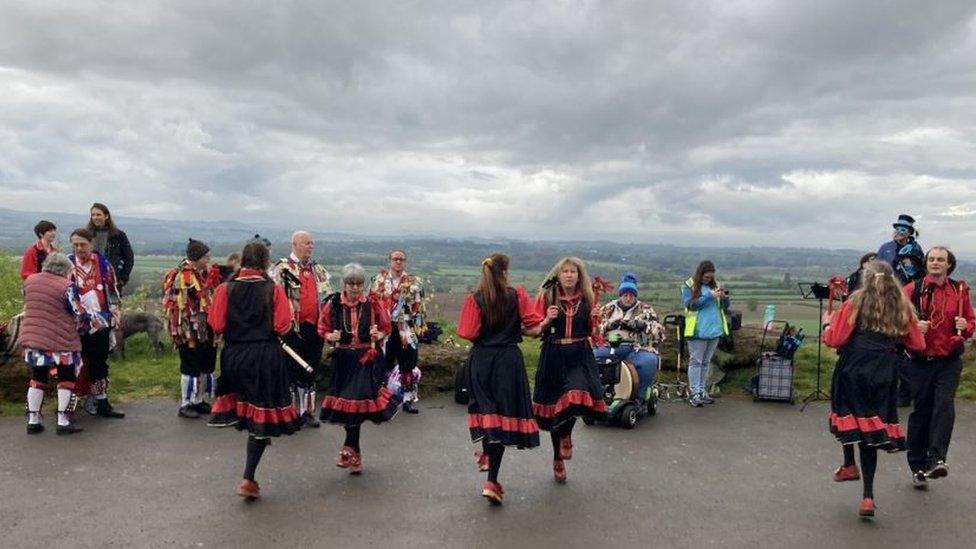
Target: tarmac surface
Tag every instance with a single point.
(735, 474)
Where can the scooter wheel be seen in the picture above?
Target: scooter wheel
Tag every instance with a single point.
(652, 407)
(628, 416)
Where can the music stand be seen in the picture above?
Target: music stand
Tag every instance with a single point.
(820, 292)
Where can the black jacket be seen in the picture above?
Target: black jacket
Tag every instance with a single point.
(118, 252)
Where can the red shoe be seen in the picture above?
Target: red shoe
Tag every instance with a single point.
(493, 492)
(566, 447)
(483, 464)
(866, 509)
(345, 457)
(559, 470)
(356, 464)
(248, 489)
(844, 473)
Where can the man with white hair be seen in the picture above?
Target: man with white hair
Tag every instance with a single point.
(306, 283)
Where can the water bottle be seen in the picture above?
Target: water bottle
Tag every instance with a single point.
(769, 316)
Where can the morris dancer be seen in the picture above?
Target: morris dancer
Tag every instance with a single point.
(34, 256)
(49, 336)
(946, 310)
(494, 318)
(868, 330)
(404, 296)
(187, 296)
(355, 322)
(567, 383)
(306, 283)
(251, 312)
(636, 325)
(93, 280)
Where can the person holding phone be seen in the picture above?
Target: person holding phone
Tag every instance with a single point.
(706, 303)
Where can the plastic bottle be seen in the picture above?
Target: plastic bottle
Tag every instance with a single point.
(769, 316)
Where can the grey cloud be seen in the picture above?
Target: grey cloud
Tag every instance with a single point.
(536, 112)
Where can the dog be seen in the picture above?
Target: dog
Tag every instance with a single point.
(134, 323)
(9, 334)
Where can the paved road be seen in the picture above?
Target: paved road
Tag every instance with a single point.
(737, 474)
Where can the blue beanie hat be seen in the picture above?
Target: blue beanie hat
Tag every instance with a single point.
(628, 284)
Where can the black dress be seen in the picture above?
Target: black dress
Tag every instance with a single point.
(357, 391)
(567, 383)
(252, 391)
(864, 392)
(500, 409)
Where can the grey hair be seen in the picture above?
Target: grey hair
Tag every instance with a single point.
(57, 263)
(353, 273)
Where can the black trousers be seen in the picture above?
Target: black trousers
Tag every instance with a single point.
(195, 361)
(398, 354)
(934, 384)
(94, 351)
(307, 343)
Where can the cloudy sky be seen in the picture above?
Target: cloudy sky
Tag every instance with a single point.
(742, 122)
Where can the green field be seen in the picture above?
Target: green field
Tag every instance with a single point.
(142, 375)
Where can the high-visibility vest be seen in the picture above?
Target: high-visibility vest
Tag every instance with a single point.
(691, 317)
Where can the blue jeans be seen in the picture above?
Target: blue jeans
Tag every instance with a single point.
(645, 362)
(700, 352)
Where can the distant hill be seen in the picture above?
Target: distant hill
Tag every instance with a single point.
(651, 261)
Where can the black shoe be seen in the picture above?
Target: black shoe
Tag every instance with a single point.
(409, 408)
(202, 408)
(188, 411)
(35, 428)
(940, 470)
(69, 429)
(919, 481)
(104, 409)
(308, 420)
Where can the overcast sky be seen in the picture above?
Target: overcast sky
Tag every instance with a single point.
(750, 123)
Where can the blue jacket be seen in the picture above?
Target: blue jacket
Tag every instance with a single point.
(709, 324)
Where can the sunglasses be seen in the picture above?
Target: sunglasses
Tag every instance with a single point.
(399, 259)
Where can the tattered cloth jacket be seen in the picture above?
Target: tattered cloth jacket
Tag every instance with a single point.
(403, 297)
(638, 325)
(186, 300)
(306, 284)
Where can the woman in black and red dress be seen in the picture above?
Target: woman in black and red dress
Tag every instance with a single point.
(567, 383)
(494, 318)
(354, 321)
(252, 392)
(869, 330)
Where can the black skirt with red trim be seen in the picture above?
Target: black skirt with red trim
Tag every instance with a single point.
(864, 392)
(499, 409)
(357, 391)
(252, 390)
(567, 385)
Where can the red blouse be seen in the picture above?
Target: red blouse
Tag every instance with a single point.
(28, 264)
(469, 326)
(840, 331)
(381, 317)
(217, 316)
(569, 303)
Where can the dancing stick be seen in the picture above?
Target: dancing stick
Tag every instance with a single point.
(963, 293)
(291, 352)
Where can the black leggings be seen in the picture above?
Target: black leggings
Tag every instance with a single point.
(352, 436)
(494, 451)
(869, 465)
(41, 374)
(565, 430)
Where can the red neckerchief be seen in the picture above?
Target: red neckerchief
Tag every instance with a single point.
(246, 272)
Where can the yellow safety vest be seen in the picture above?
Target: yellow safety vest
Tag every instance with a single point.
(691, 317)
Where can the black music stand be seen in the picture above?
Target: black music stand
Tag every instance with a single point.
(820, 292)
